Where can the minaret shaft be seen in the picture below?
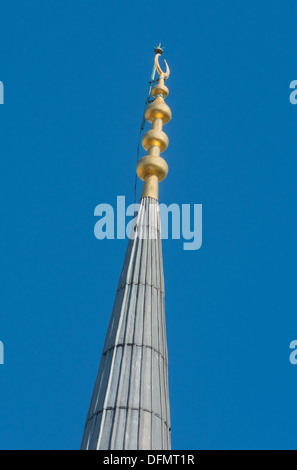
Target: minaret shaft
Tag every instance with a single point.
(130, 404)
(129, 408)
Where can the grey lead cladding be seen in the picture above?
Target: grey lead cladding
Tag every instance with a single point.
(130, 403)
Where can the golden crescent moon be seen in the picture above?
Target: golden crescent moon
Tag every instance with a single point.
(162, 74)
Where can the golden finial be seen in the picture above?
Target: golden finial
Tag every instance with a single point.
(152, 168)
(159, 70)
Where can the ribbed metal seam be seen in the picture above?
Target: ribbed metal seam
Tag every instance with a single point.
(129, 408)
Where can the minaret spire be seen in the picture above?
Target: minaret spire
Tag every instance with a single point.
(153, 168)
(129, 408)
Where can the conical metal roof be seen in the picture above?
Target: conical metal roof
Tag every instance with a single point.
(130, 403)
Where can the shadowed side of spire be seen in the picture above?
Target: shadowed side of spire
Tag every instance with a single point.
(130, 403)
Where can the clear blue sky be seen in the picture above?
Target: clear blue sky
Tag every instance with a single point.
(75, 76)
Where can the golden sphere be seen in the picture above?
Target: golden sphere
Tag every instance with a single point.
(160, 89)
(156, 138)
(158, 109)
(152, 165)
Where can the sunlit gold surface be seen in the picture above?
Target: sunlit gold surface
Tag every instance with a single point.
(150, 187)
(152, 168)
(155, 138)
(160, 89)
(152, 165)
(162, 74)
(158, 109)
